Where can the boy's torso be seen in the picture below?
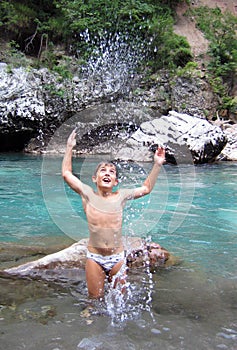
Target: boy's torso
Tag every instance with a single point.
(104, 216)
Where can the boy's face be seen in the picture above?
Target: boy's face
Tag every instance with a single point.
(106, 176)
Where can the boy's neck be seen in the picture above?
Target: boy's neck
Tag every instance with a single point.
(104, 192)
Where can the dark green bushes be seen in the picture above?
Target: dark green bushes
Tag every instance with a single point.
(80, 25)
(220, 29)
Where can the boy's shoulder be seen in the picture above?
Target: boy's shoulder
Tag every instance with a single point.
(126, 192)
(87, 189)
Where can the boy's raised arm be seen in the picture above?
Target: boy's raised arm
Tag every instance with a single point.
(67, 174)
(148, 184)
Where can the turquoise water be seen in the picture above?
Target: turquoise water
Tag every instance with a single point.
(191, 212)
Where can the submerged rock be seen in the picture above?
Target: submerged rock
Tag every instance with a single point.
(140, 254)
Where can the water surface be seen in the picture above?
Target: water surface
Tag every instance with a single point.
(192, 212)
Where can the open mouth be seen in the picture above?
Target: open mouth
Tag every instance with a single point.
(106, 180)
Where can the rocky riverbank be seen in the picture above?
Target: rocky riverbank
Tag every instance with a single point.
(35, 107)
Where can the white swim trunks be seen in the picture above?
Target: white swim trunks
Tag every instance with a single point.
(106, 261)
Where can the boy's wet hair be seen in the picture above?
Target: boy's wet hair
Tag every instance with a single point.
(107, 162)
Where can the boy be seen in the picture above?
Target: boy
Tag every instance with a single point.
(104, 209)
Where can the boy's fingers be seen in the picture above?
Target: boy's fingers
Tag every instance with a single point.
(73, 134)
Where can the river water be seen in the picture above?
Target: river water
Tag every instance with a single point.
(192, 305)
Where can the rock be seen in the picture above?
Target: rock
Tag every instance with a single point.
(140, 254)
(192, 96)
(35, 104)
(24, 111)
(185, 137)
(230, 151)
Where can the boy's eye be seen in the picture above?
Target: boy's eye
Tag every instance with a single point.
(103, 170)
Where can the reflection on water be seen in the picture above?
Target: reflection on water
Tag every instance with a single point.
(188, 306)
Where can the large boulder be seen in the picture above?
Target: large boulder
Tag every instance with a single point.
(139, 254)
(29, 105)
(187, 139)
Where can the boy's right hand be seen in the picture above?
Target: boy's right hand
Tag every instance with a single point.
(71, 142)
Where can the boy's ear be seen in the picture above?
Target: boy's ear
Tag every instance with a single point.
(94, 178)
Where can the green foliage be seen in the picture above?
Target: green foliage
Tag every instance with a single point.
(81, 24)
(230, 103)
(86, 22)
(64, 69)
(220, 29)
(55, 92)
(189, 70)
(15, 15)
(14, 57)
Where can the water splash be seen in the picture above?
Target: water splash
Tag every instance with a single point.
(126, 301)
(112, 64)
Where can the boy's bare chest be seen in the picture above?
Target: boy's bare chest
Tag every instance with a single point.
(104, 216)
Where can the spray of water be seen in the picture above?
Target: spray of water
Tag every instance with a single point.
(113, 63)
(125, 301)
